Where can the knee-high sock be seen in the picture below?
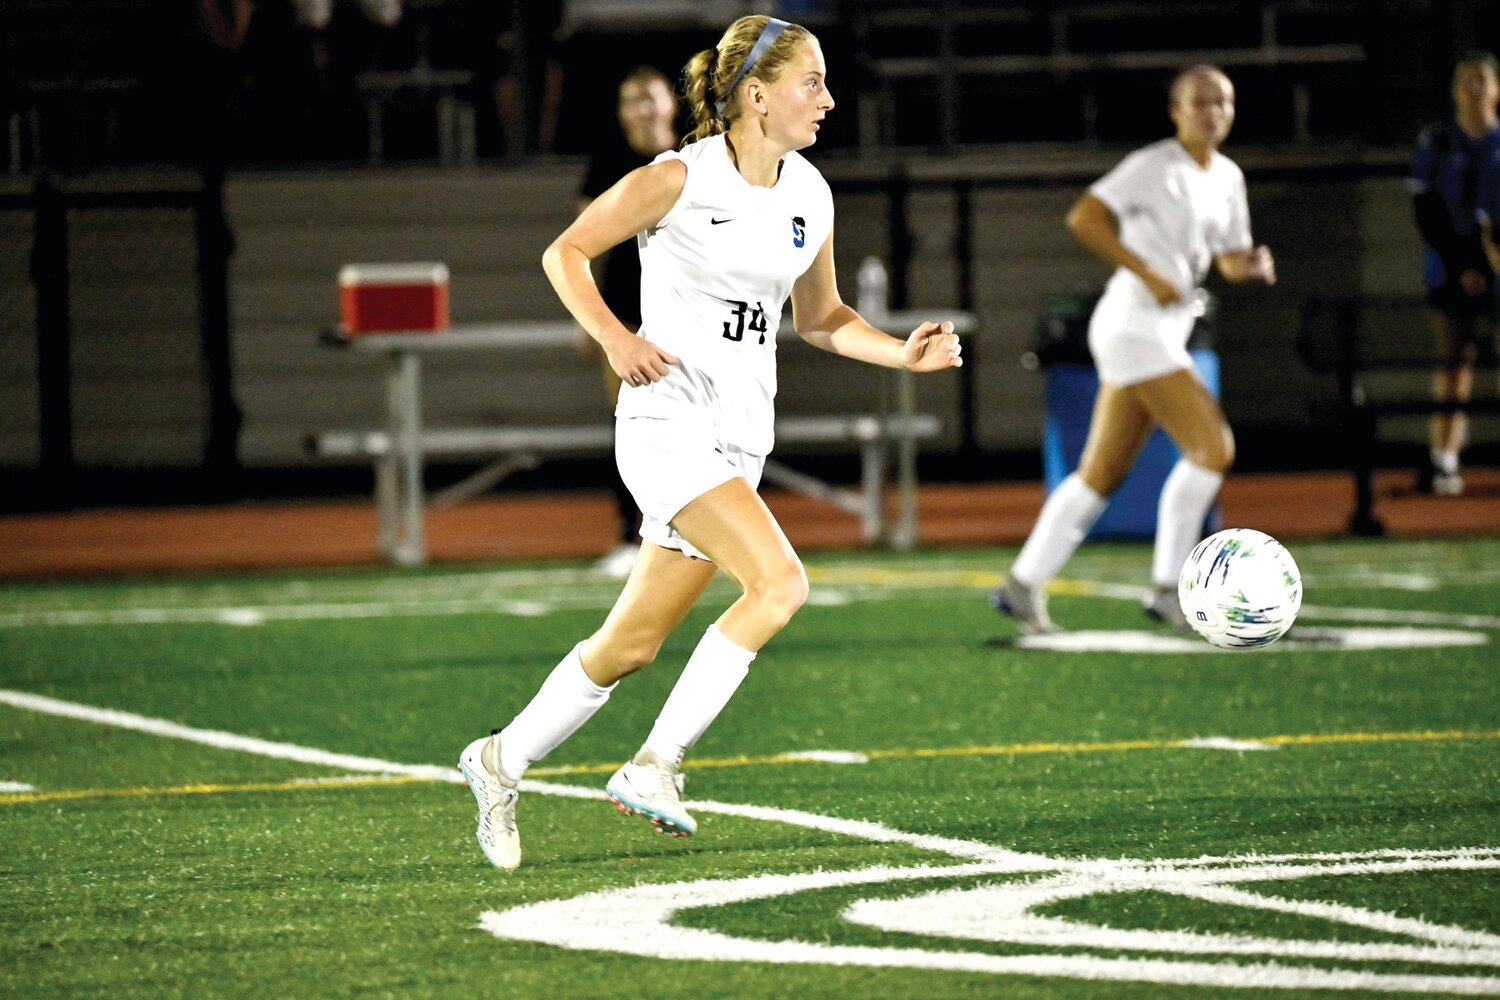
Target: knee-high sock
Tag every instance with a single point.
(709, 680)
(1185, 498)
(565, 701)
(1066, 517)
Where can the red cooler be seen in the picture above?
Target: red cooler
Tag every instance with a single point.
(378, 298)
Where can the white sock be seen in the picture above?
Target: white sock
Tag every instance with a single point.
(1066, 517)
(709, 680)
(1185, 498)
(1445, 461)
(565, 701)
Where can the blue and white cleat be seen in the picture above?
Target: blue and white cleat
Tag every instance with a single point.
(1163, 605)
(651, 787)
(1026, 606)
(495, 793)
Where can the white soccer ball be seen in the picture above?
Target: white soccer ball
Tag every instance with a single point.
(1240, 589)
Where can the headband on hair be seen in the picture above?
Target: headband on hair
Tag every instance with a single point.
(768, 36)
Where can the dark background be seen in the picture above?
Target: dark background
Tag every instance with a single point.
(95, 91)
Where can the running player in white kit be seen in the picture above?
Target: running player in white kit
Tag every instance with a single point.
(728, 227)
(1162, 216)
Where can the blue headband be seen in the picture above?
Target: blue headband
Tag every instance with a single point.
(768, 36)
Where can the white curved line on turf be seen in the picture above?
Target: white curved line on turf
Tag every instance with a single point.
(1007, 912)
(591, 921)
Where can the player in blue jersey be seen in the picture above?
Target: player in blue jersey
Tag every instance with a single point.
(730, 228)
(1454, 163)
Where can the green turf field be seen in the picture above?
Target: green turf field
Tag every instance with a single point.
(245, 787)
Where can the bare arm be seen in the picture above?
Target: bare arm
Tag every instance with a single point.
(1096, 227)
(636, 202)
(824, 320)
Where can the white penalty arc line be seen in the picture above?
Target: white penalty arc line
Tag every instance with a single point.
(577, 922)
(591, 922)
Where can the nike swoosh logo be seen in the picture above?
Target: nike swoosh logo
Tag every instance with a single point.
(718, 222)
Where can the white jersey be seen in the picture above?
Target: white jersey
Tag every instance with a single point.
(715, 274)
(1175, 215)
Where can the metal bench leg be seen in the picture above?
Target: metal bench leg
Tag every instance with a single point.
(872, 483)
(387, 504)
(1362, 465)
(405, 413)
(904, 534)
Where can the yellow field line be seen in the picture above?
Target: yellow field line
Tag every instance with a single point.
(1007, 750)
(1017, 749)
(361, 781)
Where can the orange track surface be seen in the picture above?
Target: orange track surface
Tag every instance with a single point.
(580, 525)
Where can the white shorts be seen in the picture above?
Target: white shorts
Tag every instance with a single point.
(1133, 339)
(667, 463)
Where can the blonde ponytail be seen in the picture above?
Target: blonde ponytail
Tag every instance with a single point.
(709, 75)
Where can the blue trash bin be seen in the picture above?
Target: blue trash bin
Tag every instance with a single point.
(1131, 513)
(1062, 352)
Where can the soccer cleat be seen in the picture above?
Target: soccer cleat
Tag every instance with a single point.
(495, 794)
(651, 787)
(1027, 606)
(1163, 605)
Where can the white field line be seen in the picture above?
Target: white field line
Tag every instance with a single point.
(243, 614)
(536, 592)
(370, 765)
(218, 738)
(1128, 592)
(591, 921)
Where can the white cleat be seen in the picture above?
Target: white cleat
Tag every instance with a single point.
(1163, 605)
(651, 787)
(1026, 606)
(495, 794)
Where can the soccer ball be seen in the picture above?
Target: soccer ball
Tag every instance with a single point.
(1240, 589)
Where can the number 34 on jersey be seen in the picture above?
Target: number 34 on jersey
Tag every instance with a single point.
(745, 316)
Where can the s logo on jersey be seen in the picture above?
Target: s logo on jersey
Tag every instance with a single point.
(799, 234)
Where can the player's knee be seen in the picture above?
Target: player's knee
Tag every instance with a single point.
(1214, 451)
(1104, 478)
(780, 593)
(1221, 457)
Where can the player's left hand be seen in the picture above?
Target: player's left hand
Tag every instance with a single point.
(1260, 265)
(932, 347)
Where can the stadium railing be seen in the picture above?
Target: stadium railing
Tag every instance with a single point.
(1379, 351)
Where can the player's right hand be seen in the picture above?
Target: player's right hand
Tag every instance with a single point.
(1163, 291)
(636, 360)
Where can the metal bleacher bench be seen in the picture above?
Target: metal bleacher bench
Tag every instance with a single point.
(400, 450)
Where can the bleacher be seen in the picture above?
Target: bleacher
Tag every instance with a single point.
(966, 211)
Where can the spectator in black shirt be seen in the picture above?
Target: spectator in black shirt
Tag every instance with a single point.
(647, 110)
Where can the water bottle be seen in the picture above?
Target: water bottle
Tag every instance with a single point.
(874, 291)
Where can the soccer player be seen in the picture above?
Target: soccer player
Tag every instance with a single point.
(1454, 163)
(1161, 217)
(728, 226)
(647, 111)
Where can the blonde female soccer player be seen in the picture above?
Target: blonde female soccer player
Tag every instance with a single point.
(728, 227)
(1161, 217)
